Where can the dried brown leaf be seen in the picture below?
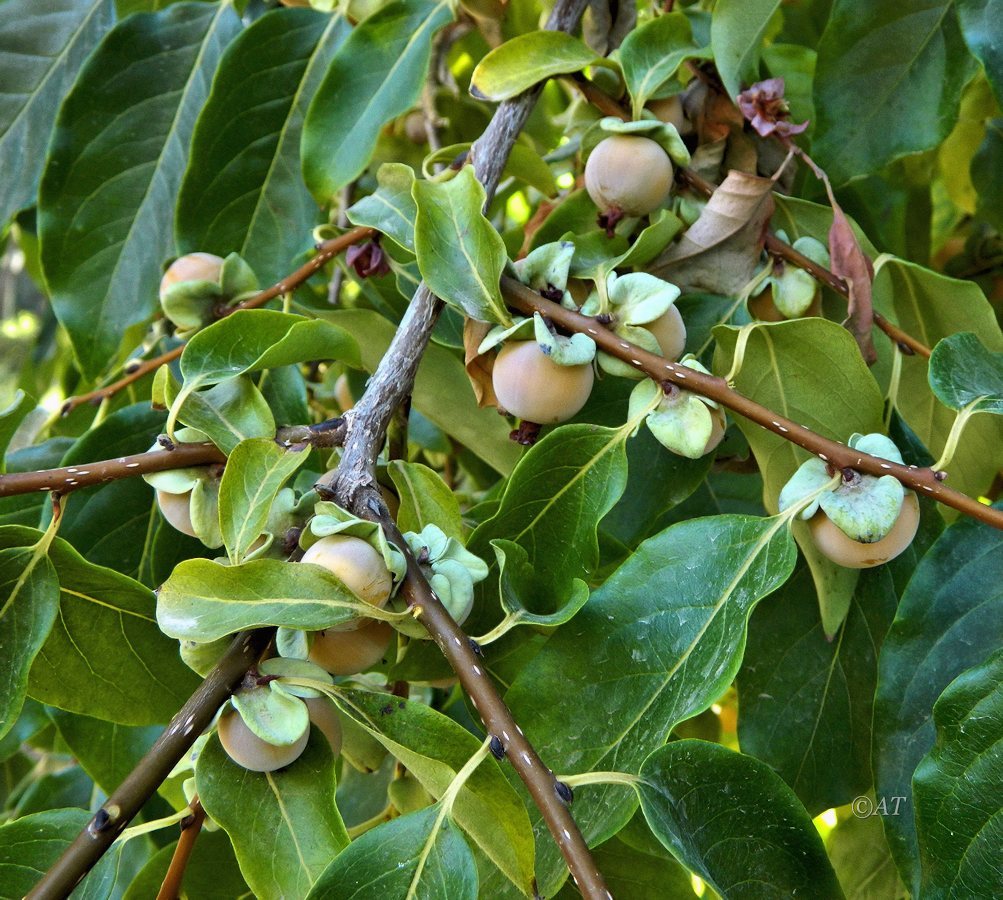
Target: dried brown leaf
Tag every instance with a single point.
(849, 262)
(478, 366)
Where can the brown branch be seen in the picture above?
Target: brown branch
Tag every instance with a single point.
(925, 481)
(191, 827)
(142, 783)
(776, 247)
(137, 369)
(178, 456)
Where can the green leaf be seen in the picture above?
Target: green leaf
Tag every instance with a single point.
(43, 43)
(667, 630)
(863, 863)
(227, 413)
(551, 507)
(431, 860)
(425, 500)
(637, 874)
(389, 209)
(253, 339)
(980, 27)
(651, 54)
(104, 656)
(984, 166)
(375, 76)
(888, 83)
(29, 605)
(932, 307)
(527, 59)
(434, 748)
(460, 254)
(243, 190)
(805, 703)
(107, 198)
(515, 580)
(956, 788)
(811, 371)
(203, 600)
(10, 419)
(736, 33)
(441, 391)
(704, 802)
(949, 619)
(963, 373)
(254, 472)
(284, 825)
(211, 871)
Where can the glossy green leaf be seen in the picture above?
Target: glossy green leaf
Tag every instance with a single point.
(284, 825)
(980, 27)
(736, 34)
(204, 600)
(253, 339)
(106, 198)
(460, 254)
(932, 307)
(243, 190)
(227, 413)
(43, 43)
(29, 605)
(552, 505)
(425, 500)
(375, 76)
(667, 629)
(949, 619)
(255, 471)
(515, 580)
(811, 371)
(104, 656)
(910, 63)
(984, 166)
(527, 59)
(431, 861)
(434, 748)
(963, 373)
(651, 54)
(390, 208)
(441, 392)
(733, 821)
(10, 419)
(805, 703)
(862, 861)
(957, 788)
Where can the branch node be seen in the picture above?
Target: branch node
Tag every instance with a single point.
(497, 748)
(564, 792)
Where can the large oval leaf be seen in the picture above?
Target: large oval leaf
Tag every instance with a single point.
(959, 819)
(377, 74)
(736, 35)
(284, 825)
(949, 619)
(43, 43)
(733, 821)
(520, 63)
(243, 190)
(963, 373)
(118, 153)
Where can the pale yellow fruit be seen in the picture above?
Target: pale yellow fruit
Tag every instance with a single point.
(530, 385)
(356, 563)
(246, 749)
(670, 332)
(324, 716)
(351, 652)
(176, 509)
(192, 267)
(628, 173)
(845, 551)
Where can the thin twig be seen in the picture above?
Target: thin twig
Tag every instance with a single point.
(191, 827)
(338, 275)
(136, 370)
(776, 247)
(924, 481)
(142, 783)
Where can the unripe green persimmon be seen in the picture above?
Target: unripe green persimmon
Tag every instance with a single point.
(351, 652)
(670, 332)
(718, 426)
(246, 749)
(845, 551)
(325, 717)
(531, 386)
(628, 173)
(191, 267)
(176, 509)
(356, 563)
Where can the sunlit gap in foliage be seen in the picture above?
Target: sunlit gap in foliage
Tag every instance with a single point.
(517, 209)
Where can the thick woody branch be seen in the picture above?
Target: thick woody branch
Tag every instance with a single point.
(142, 783)
(774, 246)
(326, 251)
(924, 481)
(176, 456)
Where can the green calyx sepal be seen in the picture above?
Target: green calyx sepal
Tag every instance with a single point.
(191, 305)
(272, 713)
(329, 518)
